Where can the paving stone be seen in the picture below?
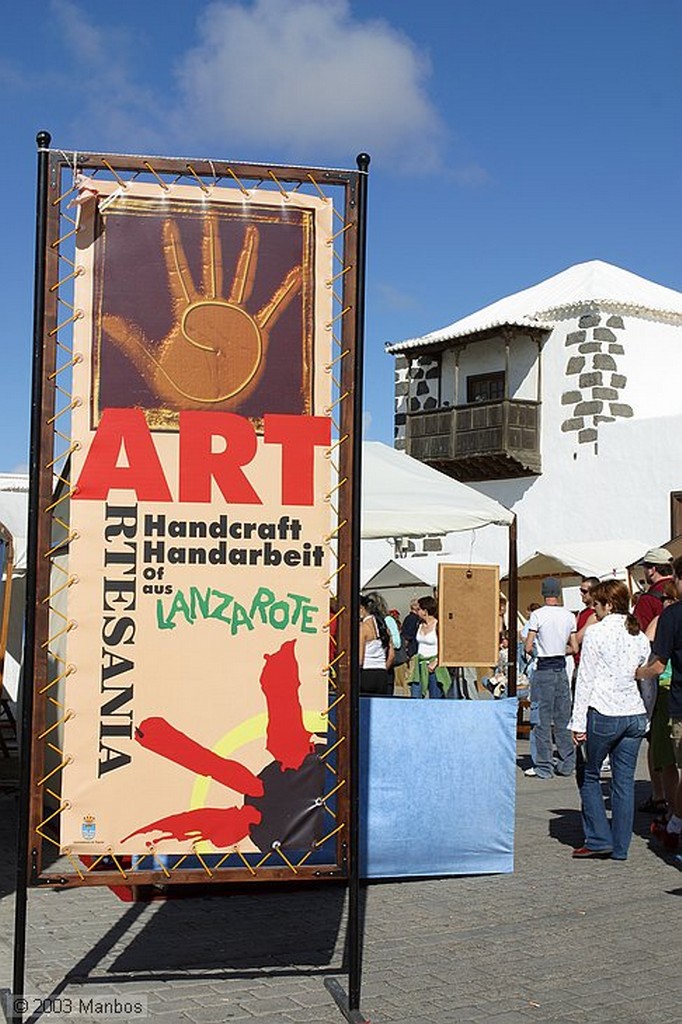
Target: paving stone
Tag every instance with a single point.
(468, 950)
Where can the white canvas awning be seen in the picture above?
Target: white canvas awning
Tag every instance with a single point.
(412, 572)
(14, 514)
(608, 558)
(402, 497)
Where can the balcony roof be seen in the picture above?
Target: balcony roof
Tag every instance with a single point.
(573, 291)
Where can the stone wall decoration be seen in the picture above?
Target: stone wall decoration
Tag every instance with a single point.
(417, 389)
(594, 392)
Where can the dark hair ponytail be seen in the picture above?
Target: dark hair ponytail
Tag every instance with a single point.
(371, 607)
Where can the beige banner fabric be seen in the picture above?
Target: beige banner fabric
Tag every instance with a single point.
(197, 650)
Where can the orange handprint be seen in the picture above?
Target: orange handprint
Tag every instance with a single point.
(214, 352)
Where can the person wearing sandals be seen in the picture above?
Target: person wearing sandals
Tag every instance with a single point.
(429, 679)
(609, 717)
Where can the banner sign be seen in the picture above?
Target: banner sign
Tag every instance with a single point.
(197, 658)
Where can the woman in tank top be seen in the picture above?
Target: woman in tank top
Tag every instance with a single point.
(428, 677)
(376, 650)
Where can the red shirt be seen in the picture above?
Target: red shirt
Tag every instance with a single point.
(650, 604)
(581, 618)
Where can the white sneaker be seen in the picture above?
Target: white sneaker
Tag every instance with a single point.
(530, 772)
(606, 766)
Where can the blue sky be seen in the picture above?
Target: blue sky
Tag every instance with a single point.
(509, 140)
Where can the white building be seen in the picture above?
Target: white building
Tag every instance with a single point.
(562, 402)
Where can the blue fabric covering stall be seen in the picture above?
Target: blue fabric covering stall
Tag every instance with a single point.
(437, 787)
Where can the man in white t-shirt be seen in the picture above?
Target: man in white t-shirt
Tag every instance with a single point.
(552, 629)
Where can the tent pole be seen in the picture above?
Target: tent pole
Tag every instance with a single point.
(513, 625)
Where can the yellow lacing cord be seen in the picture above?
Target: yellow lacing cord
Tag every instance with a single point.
(243, 190)
(163, 867)
(203, 863)
(67, 494)
(115, 860)
(119, 179)
(279, 186)
(74, 447)
(76, 272)
(336, 402)
(65, 718)
(75, 403)
(278, 849)
(71, 624)
(337, 359)
(77, 358)
(76, 866)
(328, 582)
(73, 535)
(63, 804)
(338, 316)
(68, 671)
(161, 182)
(340, 274)
(202, 186)
(77, 315)
(320, 842)
(62, 764)
(69, 583)
(64, 195)
(331, 749)
(63, 238)
(336, 444)
(332, 238)
(334, 703)
(244, 860)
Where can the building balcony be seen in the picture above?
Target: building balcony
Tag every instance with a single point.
(482, 441)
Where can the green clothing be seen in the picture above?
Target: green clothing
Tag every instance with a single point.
(420, 674)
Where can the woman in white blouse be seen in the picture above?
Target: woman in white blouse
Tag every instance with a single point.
(610, 717)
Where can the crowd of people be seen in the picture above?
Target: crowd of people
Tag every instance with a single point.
(401, 659)
(625, 688)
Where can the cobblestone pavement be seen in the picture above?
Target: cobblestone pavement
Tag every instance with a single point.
(556, 941)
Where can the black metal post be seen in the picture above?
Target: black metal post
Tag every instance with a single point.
(43, 140)
(354, 929)
(513, 618)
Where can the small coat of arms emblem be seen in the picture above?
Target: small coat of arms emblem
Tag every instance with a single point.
(88, 828)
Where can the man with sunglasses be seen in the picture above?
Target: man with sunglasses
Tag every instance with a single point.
(586, 616)
(657, 565)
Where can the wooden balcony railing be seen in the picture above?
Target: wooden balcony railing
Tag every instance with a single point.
(483, 441)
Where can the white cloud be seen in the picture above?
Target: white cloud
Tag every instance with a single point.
(394, 298)
(305, 77)
(113, 107)
(80, 35)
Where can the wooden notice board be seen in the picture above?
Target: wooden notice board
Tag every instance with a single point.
(468, 615)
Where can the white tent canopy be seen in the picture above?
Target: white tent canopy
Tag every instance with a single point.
(402, 497)
(14, 513)
(608, 558)
(409, 572)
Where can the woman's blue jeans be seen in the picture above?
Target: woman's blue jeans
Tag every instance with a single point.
(435, 691)
(619, 736)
